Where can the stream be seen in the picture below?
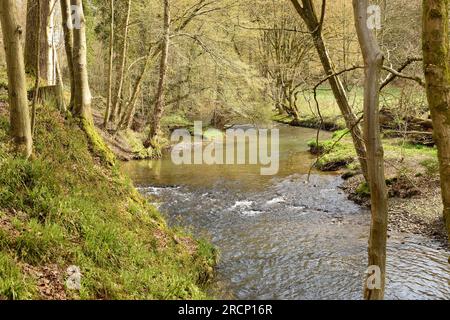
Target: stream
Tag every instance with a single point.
(282, 238)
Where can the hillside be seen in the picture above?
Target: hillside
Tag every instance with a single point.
(67, 207)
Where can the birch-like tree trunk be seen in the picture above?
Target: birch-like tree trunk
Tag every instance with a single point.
(308, 13)
(437, 75)
(50, 54)
(82, 99)
(68, 45)
(159, 106)
(373, 61)
(17, 92)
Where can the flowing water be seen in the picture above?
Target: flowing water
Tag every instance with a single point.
(282, 238)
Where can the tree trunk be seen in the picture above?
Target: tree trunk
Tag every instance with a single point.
(50, 43)
(159, 106)
(18, 102)
(118, 98)
(68, 44)
(110, 71)
(82, 99)
(437, 76)
(46, 29)
(309, 16)
(127, 116)
(373, 60)
(37, 67)
(60, 103)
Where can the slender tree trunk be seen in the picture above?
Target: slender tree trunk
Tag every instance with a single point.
(127, 116)
(50, 44)
(118, 98)
(18, 103)
(68, 44)
(437, 75)
(309, 16)
(37, 67)
(82, 100)
(61, 104)
(159, 106)
(373, 59)
(110, 69)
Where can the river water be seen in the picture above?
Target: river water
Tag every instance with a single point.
(282, 238)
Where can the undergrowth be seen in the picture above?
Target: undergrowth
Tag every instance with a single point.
(67, 207)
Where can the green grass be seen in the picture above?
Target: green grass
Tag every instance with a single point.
(66, 206)
(340, 149)
(331, 114)
(13, 283)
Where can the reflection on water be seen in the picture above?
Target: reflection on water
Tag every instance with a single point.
(282, 238)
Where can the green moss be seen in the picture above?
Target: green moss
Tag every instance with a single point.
(282, 118)
(363, 190)
(97, 144)
(66, 207)
(175, 121)
(333, 155)
(135, 142)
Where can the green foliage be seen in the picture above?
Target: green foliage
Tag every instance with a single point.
(67, 206)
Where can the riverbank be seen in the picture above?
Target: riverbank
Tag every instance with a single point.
(67, 207)
(411, 176)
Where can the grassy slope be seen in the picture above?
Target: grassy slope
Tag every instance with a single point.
(67, 208)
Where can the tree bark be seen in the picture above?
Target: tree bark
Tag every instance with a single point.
(159, 106)
(45, 27)
(437, 76)
(50, 54)
(37, 67)
(82, 99)
(110, 68)
(68, 45)
(18, 102)
(118, 98)
(373, 60)
(308, 14)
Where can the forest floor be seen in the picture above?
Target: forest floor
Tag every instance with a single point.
(68, 207)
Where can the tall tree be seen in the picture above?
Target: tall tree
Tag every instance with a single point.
(43, 16)
(37, 67)
(437, 75)
(19, 114)
(373, 60)
(307, 12)
(115, 110)
(159, 106)
(68, 44)
(82, 99)
(110, 67)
